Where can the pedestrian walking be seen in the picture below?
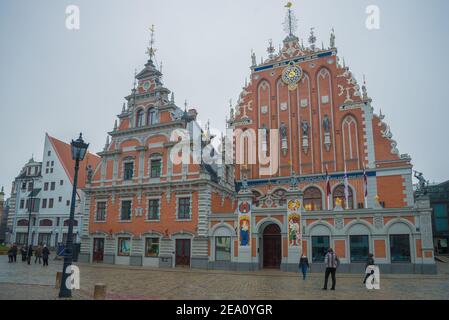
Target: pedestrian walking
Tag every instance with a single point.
(38, 254)
(10, 256)
(45, 254)
(304, 265)
(331, 262)
(29, 253)
(369, 262)
(23, 252)
(14, 252)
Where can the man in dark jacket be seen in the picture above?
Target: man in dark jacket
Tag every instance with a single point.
(10, 256)
(29, 253)
(369, 262)
(23, 251)
(14, 252)
(332, 262)
(45, 254)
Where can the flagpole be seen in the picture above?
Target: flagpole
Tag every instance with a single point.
(346, 189)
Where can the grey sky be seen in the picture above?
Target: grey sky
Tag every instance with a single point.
(63, 82)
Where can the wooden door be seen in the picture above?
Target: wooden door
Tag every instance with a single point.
(98, 250)
(182, 252)
(272, 247)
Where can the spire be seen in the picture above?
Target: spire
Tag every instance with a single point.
(123, 108)
(231, 110)
(364, 91)
(290, 23)
(106, 146)
(115, 125)
(332, 40)
(151, 51)
(312, 39)
(271, 49)
(253, 59)
(172, 98)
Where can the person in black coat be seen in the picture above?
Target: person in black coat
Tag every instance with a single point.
(14, 252)
(45, 254)
(23, 251)
(10, 256)
(29, 253)
(369, 262)
(304, 265)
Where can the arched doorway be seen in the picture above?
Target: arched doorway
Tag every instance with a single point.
(272, 247)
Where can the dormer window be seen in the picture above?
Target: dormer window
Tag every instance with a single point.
(139, 118)
(152, 116)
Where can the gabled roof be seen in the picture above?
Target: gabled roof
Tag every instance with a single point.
(64, 153)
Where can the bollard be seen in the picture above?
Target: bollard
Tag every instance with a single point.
(58, 280)
(100, 291)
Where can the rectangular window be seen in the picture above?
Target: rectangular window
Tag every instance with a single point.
(50, 203)
(61, 182)
(45, 186)
(21, 238)
(153, 209)
(44, 203)
(46, 170)
(101, 211)
(400, 248)
(67, 203)
(126, 210)
(51, 170)
(440, 214)
(30, 186)
(124, 247)
(184, 208)
(49, 153)
(22, 204)
(60, 199)
(151, 247)
(128, 170)
(155, 168)
(48, 163)
(53, 185)
(52, 163)
(223, 248)
(24, 185)
(44, 238)
(320, 244)
(359, 248)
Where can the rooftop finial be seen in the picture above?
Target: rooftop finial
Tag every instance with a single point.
(151, 51)
(290, 23)
(185, 105)
(332, 40)
(312, 39)
(271, 49)
(135, 75)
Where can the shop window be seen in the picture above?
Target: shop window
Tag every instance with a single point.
(440, 215)
(320, 245)
(124, 247)
(223, 248)
(400, 248)
(151, 247)
(359, 248)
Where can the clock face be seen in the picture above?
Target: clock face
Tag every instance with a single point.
(146, 85)
(291, 76)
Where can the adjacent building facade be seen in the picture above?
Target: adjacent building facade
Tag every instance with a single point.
(44, 189)
(439, 201)
(312, 167)
(4, 209)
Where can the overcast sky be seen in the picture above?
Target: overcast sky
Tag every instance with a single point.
(63, 81)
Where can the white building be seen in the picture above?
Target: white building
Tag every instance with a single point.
(48, 186)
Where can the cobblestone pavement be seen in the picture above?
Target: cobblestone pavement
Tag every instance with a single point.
(21, 281)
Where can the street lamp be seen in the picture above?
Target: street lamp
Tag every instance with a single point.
(79, 149)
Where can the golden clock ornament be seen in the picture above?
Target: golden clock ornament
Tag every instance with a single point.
(292, 75)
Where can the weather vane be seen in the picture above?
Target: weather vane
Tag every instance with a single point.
(151, 51)
(290, 24)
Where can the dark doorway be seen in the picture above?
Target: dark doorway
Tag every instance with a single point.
(182, 252)
(98, 250)
(272, 247)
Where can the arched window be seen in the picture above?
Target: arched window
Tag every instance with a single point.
(350, 138)
(313, 199)
(152, 116)
(139, 118)
(66, 223)
(339, 193)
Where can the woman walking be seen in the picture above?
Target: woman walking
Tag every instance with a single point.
(304, 265)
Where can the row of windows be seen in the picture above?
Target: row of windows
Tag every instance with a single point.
(152, 117)
(45, 203)
(183, 212)
(359, 248)
(45, 222)
(52, 185)
(155, 169)
(43, 238)
(151, 247)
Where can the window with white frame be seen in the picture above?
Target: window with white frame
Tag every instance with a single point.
(126, 209)
(155, 168)
(184, 208)
(128, 169)
(100, 214)
(151, 247)
(153, 209)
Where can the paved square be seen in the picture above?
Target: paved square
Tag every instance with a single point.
(21, 281)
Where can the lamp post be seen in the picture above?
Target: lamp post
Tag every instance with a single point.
(79, 149)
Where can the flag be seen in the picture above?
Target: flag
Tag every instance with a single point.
(328, 188)
(346, 188)
(365, 185)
